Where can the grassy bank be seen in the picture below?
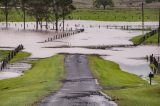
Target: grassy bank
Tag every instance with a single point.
(152, 40)
(43, 78)
(93, 14)
(19, 56)
(126, 89)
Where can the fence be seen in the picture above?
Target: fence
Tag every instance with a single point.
(156, 61)
(63, 35)
(6, 60)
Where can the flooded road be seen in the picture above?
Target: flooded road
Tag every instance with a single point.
(80, 88)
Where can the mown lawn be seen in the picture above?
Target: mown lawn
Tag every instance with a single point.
(93, 14)
(44, 77)
(126, 89)
(151, 40)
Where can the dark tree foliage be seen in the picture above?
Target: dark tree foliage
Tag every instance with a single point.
(5, 6)
(66, 8)
(38, 9)
(104, 3)
(48, 10)
(150, 1)
(23, 4)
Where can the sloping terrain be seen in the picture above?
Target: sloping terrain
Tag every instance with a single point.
(83, 3)
(117, 3)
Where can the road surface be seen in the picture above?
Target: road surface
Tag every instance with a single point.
(80, 88)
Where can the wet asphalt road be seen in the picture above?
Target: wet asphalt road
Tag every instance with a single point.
(80, 88)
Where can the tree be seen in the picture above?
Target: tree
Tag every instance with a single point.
(57, 10)
(66, 8)
(38, 9)
(23, 5)
(104, 3)
(150, 1)
(6, 5)
(96, 3)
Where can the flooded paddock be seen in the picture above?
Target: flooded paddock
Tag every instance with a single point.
(96, 34)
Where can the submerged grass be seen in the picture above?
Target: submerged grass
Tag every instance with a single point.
(43, 78)
(126, 89)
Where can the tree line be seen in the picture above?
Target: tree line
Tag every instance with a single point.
(41, 10)
(150, 1)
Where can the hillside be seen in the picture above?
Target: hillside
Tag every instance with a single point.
(118, 3)
(83, 3)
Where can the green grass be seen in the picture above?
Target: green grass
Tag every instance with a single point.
(93, 14)
(138, 93)
(115, 15)
(15, 16)
(110, 75)
(3, 54)
(142, 96)
(43, 78)
(152, 40)
(19, 56)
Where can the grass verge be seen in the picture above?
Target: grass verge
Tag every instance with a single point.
(43, 78)
(151, 40)
(126, 89)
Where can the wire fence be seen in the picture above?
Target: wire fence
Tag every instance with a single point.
(10, 56)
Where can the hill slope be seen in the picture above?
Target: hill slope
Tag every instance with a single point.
(118, 3)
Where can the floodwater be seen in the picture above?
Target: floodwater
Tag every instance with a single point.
(133, 60)
(129, 59)
(6, 75)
